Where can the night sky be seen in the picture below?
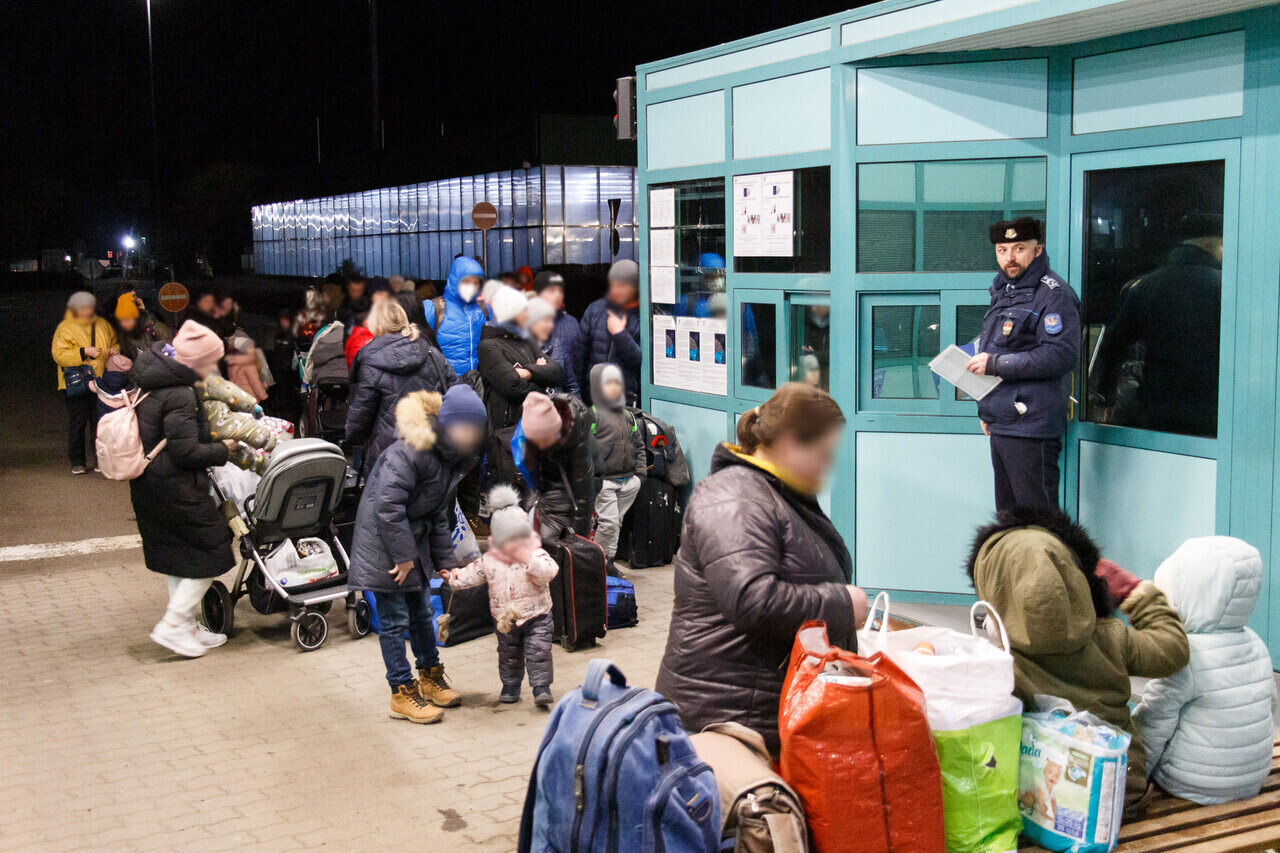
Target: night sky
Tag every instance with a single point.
(240, 83)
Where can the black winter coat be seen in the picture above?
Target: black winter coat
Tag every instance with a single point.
(756, 560)
(183, 533)
(499, 350)
(389, 367)
(596, 346)
(406, 510)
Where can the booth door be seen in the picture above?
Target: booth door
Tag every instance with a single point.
(1148, 449)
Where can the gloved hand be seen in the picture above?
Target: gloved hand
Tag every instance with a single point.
(1120, 582)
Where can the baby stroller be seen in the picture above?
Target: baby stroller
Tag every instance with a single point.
(325, 386)
(294, 503)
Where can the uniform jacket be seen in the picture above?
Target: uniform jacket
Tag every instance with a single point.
(406, 511)
(619, 439)
(459, 332)
(389, 367)
(72, 336)
(511, 584)
(502, 346)
(756, 560)
(561, 346)
(183, 533)
(1209, 728)
(596, 346)
(1037, 571)
(1032, 333)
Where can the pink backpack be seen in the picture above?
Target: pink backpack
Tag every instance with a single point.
(120, 453)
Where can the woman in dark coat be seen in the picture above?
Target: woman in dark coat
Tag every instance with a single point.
(404, 532)
(512, 366)
(550, 450)
(184, 536)
(396, 362)
(758, 558)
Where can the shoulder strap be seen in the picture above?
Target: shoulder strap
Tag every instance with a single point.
(438, 304)
(93, 333)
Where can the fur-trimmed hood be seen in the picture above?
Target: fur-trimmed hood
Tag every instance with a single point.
(415, 419)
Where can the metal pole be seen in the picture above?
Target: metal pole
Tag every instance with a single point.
(155, 155)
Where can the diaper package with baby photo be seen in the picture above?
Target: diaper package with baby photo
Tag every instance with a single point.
(1071, 778)
(307, 561)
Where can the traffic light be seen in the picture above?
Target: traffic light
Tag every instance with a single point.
(624, 100)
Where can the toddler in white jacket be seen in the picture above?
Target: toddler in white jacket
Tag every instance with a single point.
(518, 571)
(1209, 728)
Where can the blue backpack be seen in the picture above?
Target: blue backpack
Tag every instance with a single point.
(616, 772)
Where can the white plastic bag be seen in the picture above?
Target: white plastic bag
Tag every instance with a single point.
(1071, 779)
(965, 679)
(306, 562)
(465, 547)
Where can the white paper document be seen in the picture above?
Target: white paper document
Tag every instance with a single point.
(715, 344)
(662, 247)
(664, 352)
(950, 365)
(746, 215)
(662, 285)
(764, 215)
(662, 208)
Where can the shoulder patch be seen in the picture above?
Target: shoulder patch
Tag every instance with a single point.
(1051, 282)
(1053, 323)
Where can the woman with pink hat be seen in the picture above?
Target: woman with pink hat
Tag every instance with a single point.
(184, 536)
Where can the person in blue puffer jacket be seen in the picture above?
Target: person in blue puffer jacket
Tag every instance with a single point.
(456, 318)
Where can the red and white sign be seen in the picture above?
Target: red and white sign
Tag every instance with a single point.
(174, 297)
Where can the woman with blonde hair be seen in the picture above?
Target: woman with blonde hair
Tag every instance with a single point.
(758, 557)
(398, 361)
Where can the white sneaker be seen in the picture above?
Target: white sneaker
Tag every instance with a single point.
(180, 640)
(209, 639)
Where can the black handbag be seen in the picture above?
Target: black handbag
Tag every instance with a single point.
(77, 378)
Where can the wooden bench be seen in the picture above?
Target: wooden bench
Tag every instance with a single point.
(1240, 827)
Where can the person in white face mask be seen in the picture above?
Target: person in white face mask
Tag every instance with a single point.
(457, 317)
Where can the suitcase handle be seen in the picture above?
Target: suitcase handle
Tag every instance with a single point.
(596, 671)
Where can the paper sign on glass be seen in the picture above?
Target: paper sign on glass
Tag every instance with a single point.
(664, 351)
(662, 247)
(662, 285)
(950, 365)
(662, 208)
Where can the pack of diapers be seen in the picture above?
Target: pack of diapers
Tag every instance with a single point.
(1071, 778)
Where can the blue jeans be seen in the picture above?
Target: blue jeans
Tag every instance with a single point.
(401, 613)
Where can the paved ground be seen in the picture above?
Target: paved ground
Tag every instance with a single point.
(110, 742)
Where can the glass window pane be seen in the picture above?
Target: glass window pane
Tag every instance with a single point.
(699, 248)
(553, 202)
(933, 216)
(555, 245)
(581, 196)
(904, 338)
(582, 245)
(1153, 296)
(968, 327)
(759, 337)
(810, 227)
(811, 345)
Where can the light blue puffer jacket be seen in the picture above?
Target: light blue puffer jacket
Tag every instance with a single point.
(459, 331)
(1209, 729)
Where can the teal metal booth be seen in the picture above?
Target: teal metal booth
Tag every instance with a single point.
(814, 205)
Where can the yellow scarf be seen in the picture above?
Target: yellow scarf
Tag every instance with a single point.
(790, 481)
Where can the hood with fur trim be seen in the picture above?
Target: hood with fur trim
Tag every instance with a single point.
(415, 419)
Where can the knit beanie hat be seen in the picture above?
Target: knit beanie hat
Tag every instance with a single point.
(626, 271)
(539, 309)
(126, 307)
(541, 421)
(119, 364)
(196, 345)
(507, 303)
(461, 404)
(508, 520)
(82, 299)
(490, 289)
(545, 279)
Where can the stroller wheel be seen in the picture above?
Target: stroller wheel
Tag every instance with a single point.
(309, 631)
(217, 610)
(358, 619)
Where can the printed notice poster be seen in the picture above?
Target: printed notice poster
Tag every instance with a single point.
(715, 343)
(764, 215)
(662, 208)
(746, 215)
(777, 215)
(662, 285)
(662, 247)
(665, 372)
(688, 354)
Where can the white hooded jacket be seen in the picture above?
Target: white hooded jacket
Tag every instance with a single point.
(1209, 729)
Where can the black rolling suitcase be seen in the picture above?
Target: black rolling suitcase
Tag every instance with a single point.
(651, 530)
(579, 591)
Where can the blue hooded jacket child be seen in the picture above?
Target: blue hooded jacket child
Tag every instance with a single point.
(459, 329)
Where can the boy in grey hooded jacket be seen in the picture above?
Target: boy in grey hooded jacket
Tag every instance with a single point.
(620, 460)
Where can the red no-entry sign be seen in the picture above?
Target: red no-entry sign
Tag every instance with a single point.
(484, 215)
(174, 297)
